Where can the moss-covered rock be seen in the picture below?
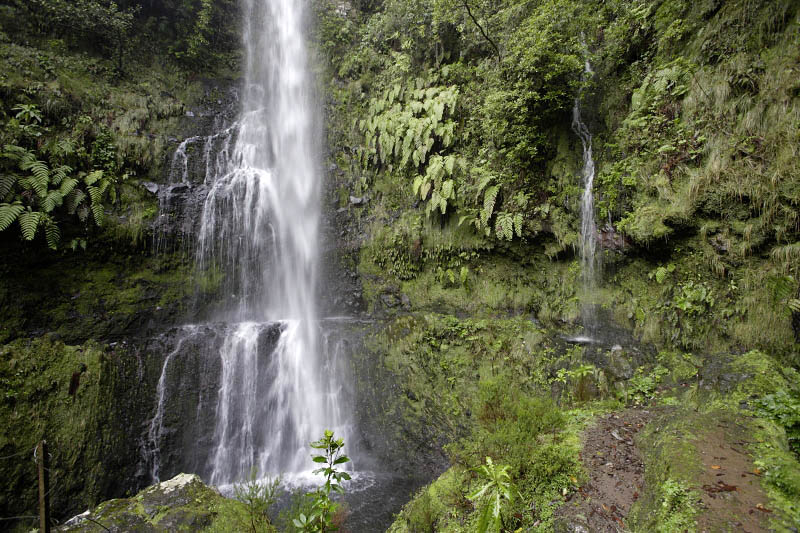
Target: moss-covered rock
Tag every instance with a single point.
(182, 503)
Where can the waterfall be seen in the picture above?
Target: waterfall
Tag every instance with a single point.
(590, 262)
(258, 234)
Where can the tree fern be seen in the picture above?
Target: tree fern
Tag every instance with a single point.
(9, 213)
(29, 223)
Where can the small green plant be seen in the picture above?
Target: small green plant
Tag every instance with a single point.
(323, 509)
(258, 496)
(496, 489)
(678, 507)
(642, 387)
(784, 408)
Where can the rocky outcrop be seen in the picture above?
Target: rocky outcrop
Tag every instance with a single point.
(183, 503)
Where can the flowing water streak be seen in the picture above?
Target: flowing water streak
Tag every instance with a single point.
(156, 429)
(590, 264)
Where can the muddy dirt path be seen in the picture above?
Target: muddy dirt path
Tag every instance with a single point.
(616, 475)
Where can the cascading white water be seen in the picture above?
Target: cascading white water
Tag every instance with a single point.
(590, 264)
(258, 234)
(260, 229)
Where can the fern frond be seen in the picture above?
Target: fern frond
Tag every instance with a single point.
(794, 305)
(489, 199)
(53, 199)
(14, 152)
(74, 200)
(98, 214)
(93, 177)
(9, 213)
(52, 233)
(40, 175)
(29, 223)
(67, 186)
(7, 182)
(96, 195)
(59, 174)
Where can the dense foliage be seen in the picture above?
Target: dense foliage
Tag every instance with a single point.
(75, 105)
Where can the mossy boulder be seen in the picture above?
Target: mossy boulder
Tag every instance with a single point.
(182, 503)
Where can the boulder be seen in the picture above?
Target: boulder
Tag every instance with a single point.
(183, 503)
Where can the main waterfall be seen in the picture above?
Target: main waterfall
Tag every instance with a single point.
(278, 380)
(260, 228)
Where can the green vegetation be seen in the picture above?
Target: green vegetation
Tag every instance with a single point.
(323, 510)
(453, 118)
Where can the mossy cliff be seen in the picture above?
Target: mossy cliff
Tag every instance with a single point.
(452, 203)
(80, 311)
(450, 135)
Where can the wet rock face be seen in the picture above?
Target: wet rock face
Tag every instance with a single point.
(179, 435)
(610, 239)
(181, 504)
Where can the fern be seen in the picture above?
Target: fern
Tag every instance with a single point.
(794, 305)
(67, 186)
(489, 199)
(53, 199)
(14, 153)
(29, 223)
(518, 224)
(74, 200)
(9, 213)
(93, 177)
(96, 195)
(52, 233)
(59, 174)
(7, 182)
(504, 226)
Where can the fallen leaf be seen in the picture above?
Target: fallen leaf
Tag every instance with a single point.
(762, 508)
(721, 486)
(715, 467)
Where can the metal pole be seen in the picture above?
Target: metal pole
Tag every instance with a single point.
(44, 488)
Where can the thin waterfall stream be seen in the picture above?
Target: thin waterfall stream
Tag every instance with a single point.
(281, 381)
(590, 261)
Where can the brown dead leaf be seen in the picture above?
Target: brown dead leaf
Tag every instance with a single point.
(715, 467)
(763, 509)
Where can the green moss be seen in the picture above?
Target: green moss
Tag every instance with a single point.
(35, 379)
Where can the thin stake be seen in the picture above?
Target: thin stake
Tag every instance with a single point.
(44, 487)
